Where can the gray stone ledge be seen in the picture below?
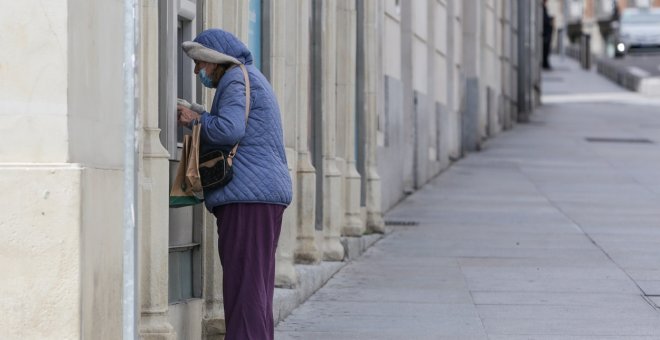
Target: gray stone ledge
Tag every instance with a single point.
(314, 276)
(310, 279)
(354, 247)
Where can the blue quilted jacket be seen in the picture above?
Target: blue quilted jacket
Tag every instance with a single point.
(261, 174)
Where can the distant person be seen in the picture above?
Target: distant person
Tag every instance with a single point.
(548, 27)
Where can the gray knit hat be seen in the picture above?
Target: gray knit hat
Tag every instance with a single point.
(200, 52)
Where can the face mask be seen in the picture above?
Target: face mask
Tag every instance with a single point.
(205, 79)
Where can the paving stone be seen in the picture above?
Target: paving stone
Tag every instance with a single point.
(568, 337)
(599, 300)
(595, 327)
(568, 312)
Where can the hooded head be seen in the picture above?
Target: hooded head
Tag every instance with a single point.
(218, 47)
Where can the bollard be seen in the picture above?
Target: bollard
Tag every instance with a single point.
(585, 51)
(560, 43)
(587, 48)
(582, 39)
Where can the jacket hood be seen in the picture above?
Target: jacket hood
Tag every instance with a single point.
(219, 47)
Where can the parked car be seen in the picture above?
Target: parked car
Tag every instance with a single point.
(639, 28)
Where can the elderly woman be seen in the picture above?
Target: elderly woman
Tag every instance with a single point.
(249, 208)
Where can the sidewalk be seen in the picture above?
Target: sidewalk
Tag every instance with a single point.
(543, 235)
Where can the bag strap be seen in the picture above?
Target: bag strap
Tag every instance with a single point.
(247, 106)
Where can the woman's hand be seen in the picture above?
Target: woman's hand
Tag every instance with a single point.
(185, 115)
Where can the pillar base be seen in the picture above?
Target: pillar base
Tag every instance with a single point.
(333, 250)
(375, 223)
(214, 329)
(353, 224)
(353, 227)
(157, 336)
(285, 275)
(156, 327)
(307, 252)
(332, 202)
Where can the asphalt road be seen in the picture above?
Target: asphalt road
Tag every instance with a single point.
(648, 62)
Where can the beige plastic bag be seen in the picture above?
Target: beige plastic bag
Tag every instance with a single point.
(193, 178)
(187, 186)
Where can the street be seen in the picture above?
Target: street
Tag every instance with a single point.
(551, 232)
(647, 64)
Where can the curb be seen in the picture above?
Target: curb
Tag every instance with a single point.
(630, 78)
(314, 276)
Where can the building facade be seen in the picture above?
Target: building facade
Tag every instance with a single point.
(377, 98)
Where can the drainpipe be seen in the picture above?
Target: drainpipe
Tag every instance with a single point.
(130, 286)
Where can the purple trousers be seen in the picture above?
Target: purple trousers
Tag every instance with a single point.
(247, 239)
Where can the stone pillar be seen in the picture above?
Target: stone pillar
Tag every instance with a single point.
(306, 249)
(373, 101)
(525, 59)
(515, 61)
(346, 109)
(489, 122)
(422, 97)
(505, 57)
(409, 122)
(41, 210)
(332, 217)
(454, 79)
(281, 72)
(213, 322)
(471, 140)
(153, 190)
(432, 84)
